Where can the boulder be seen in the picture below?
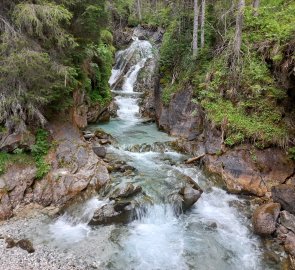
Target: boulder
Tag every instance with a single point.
(100, 151)
(285, 195)
(114, 213)
(10, 243)
(265, 218)
(26, 244)
(23, 140)
(287, 220)
(88, 136)
(127, 190)
(190, 196)
(246, 170)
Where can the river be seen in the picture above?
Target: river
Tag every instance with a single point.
(214, 234)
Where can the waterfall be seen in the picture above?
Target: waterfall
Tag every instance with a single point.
(129, 63)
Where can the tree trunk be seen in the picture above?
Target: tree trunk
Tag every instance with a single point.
(255, 7)
(203, 23)
(139, 10)
(196, 28)
(239, 26)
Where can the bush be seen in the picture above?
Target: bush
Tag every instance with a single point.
(39, 152)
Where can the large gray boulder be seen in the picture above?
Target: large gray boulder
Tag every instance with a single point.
(114, 213)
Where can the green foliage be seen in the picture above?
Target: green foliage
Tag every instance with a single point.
(48, 49)
(275, 22)
(39, 152)
(43, 20)
(19, 157)
(234, 139)
(292, 153)
(255, 127)
(99, 72)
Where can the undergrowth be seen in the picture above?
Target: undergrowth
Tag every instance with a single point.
(39, 151)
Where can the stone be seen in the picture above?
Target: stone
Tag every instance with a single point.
(119, 213)
(265, 218)
(127, 190)
(105, 141)
(285, 195)
(289, 243)
(190, 196)
(287, 220)
(75, 170)
(88, 136)
(11, 142)
(249, 171)
(182, 117)
(100, 151)
(26, 244)
(10, 243)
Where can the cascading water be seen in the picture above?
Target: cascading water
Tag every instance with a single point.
(128, 64)
(214, 234)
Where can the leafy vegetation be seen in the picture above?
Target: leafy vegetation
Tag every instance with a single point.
(39, 151)
(18, 157)
(47, 50)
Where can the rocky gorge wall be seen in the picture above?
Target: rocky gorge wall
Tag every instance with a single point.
(75, 171)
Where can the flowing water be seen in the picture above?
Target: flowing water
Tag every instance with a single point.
(213, 234)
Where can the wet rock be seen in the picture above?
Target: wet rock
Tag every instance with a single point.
(104, 141)
(212, 226)
(265, 218)
(128, 190)
(285, 195)
(100, 151)
(101, 134)
(115, 213)
(26, 244)
(23, 140)
(287, 220)
(190, 196)
(88, 136)
(120, 206)
(121, 167)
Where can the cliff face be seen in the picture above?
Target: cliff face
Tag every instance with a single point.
(244, 168)
(76, 170)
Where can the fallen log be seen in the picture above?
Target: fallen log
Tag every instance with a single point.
(194, 159)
